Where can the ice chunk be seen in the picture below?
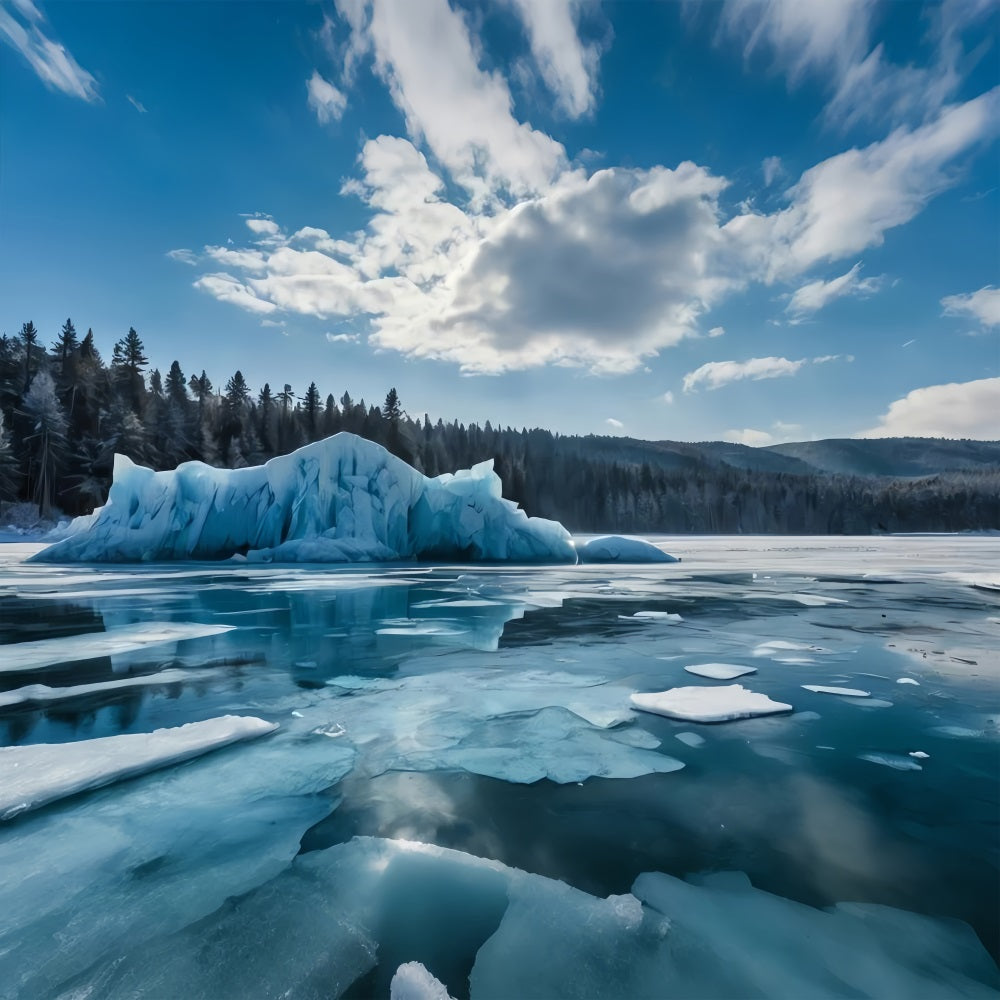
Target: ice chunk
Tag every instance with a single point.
(621, 548)
(691, 739)
(32, 776)
(708, 704)
(892, 760)
(919, 754)
(41, 653)
(331, 915)
(846, 692)
(652, 616)
(339, 500)
(35, 693)
(719, 671)
(907, 680)
(413, 982)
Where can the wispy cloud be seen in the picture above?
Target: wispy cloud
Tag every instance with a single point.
(325, 99)
(138, 105)
(183, 256)
(614, 424)
(816, 295)
(50, 60)
(342, 338)
(716, 374)
(983, 306)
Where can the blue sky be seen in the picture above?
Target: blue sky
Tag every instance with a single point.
(759, 220)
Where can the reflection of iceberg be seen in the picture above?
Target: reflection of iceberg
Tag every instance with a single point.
(339, 500)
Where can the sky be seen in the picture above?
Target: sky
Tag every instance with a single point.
(749, 220)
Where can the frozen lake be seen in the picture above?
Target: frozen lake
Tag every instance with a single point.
(459, 776)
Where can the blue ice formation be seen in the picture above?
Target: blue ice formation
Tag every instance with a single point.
(620, 548)
(343, 499)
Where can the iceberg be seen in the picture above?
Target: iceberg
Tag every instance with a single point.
(343, 499)
(35, 775)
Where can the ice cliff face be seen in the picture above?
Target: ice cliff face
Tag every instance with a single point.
(344, 499)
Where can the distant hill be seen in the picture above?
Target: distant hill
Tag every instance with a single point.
(891, 456)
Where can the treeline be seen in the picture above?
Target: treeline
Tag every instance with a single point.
(65, 412)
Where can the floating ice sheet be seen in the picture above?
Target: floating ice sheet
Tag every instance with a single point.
(41, 653)
(332, 915)
(708, 704)
(894, 760)
(34, 775)
(40, 693)
(413, 982)
(719, 671)
(845, 692)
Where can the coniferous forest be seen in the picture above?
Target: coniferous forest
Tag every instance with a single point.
(65, 411)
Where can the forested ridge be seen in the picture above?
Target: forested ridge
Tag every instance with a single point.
(65, 412)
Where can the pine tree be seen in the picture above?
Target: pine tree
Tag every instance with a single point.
(8, 465)
(127, 366)
(66, 344)
(311, 409)
(46, 443)
(33, 354)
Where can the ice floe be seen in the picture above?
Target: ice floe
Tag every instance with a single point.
(896, 761)
(907, 680)
(343, 499)
(413, 982)
(708, 704)
(41, 693)
(482, 929)
(621, 548)
(844, 692)
(719, 671)
(35, 775)
(690, 739)
(41, 653)
(653, 616)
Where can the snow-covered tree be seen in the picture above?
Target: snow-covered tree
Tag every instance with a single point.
(46, 441)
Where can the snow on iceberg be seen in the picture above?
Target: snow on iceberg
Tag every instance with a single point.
(620, 548)
(412, 981)
(708, 704)
(343, 499)
(35, 775)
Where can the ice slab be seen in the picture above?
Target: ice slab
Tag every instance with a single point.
(343, 499)
(41, 653)
(413, 982)
(35, 775)
(328, 918)
(708, 704)
(719, 671)
(621, 548)
(690, 739)
(148, 857)
(846, 692)
(907, 680)
(41, 693)
(653, 616)
(919, 754)
(896, 761)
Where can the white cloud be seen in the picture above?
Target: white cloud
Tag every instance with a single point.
(138, 105)
(615, 424)
(342, 338)
(426, 56)
(825, 359)
(54, 66)
(983, 306)
(815, 295)
(668, 398)
(749, 436)
(568, 67)
(716, 374)
(717, 331)
(325, 99)
(846, 203)
(771, 168)
(228, 289)
(954, 410)
(831, 40)
(263, 226)
(183, 256)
